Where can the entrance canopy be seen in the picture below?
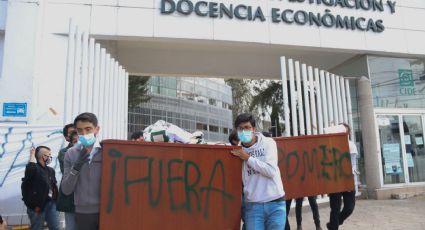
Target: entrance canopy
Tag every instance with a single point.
(216, 58)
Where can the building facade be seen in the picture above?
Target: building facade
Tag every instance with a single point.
(193, 104)
(378, 45)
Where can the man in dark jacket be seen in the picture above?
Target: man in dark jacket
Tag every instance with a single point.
(41, 194)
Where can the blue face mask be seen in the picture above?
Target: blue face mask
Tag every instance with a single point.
(245, 136)
(87, 140)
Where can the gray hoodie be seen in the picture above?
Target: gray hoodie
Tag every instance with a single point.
(86, 183)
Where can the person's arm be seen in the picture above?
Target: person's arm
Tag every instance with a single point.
(61, 156)
(267, 168)
(72, 170)
(31, 167)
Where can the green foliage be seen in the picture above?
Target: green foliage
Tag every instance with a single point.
(138, 90)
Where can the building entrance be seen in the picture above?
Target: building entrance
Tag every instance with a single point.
(401, 138)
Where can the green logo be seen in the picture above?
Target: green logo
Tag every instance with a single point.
(406, 77)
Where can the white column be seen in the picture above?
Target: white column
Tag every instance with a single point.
(285, 97)
(77, 76)
(102, 90)
(91, 75)
(299, 98)
(350, 111)
(344, 101)
(312, 100)
(67, 113)
(324, 99)
(126, 106)
(338, 98)
(82, 101)
(115, 101)
(334, 100)
(293, 95)
(306, 98)
(329, 99)
(96, 79)
(319, 101)
(120, 103)
(107, 101)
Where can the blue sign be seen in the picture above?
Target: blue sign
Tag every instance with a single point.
(14, 109)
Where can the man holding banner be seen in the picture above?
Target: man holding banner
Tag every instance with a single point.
(263, 188)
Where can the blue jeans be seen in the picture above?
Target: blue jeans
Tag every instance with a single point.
(269, 216)
(70, 221)
(50, 215)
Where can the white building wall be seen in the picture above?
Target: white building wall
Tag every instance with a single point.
(403, 29)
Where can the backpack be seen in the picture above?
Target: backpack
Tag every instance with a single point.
(27, 193)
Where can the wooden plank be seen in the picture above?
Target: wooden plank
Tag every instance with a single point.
(314, 165)
(169, 186)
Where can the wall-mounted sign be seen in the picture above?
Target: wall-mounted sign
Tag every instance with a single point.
(392, 159)
(14, 109)
(407, 83)
(288, 16)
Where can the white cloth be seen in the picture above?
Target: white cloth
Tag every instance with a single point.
(260, 173)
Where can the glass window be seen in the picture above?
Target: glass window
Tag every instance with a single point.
(414, 145)
(213, 128)
(397, 82)
(392, 160)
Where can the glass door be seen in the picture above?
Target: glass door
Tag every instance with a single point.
(391, 152)
(414, 147)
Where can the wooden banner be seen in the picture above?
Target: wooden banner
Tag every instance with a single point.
(169, 186)
(313, 165)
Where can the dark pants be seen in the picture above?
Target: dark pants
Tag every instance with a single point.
(87, 221)
(298, 211)
(337, 216)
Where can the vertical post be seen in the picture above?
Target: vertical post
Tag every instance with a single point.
(312, 100)
(324, 99)
(338, 98)
(67, 111)
(126, 106)
(96, 79)
(349, 108)
(293, 98)
(334, 100)
(102, 90)
(84, 71)
(344, 101)
(319, 101)
(306, 98)
(285, 96)
(77, 75)
(90, 85)
(299, 98)
(329, 99)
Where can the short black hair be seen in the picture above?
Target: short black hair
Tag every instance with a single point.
(233, 136)
(86, 117)
(37, 150)
(136, 135)
(65, 129)
(244, 117)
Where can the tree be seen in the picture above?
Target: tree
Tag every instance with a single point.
(269, 96)
(138, 90)
(242, 95)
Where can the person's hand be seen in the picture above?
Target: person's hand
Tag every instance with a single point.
(32, 152)
(240, 153)
(82, 159)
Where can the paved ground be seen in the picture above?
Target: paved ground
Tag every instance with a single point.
(406, 214)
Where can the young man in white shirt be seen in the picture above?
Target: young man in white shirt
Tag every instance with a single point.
(263, 188)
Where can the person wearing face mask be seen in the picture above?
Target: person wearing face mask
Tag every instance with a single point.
(65, 203)
(82, 172)
(39, 190)
(263, 188)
